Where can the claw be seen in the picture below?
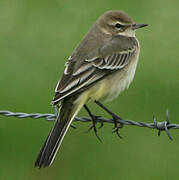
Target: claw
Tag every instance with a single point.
(73, 126)
(116, 127)
(102, 124)
(93, 126)
(89, 128)
(116, 130)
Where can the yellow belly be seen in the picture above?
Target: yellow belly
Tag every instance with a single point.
(111, 86)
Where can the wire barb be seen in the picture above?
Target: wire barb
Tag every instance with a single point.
(163, 126)
(160, 126)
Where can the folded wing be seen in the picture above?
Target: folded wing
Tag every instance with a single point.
(78, 77)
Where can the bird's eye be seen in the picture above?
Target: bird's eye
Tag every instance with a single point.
(118, 25)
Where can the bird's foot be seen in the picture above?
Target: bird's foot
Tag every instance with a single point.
(116, 126)
(93, 126)
(94, 120)
(114, 116)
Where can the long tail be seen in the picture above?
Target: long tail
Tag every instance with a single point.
(68, 111)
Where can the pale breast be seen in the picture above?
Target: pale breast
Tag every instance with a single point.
(121, 80)
(111, 86)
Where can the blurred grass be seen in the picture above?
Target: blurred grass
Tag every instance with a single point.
(36, 38)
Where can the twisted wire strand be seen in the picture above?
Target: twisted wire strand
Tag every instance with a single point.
(160, 126)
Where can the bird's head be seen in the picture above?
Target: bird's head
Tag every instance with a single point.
(118, 23)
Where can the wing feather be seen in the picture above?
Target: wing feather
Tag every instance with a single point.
(89, 71)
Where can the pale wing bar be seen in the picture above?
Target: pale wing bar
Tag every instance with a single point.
(78, 79)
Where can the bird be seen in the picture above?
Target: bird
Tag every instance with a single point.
(101, 66)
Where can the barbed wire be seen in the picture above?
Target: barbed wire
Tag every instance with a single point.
(160, 126)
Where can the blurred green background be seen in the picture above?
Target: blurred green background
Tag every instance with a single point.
(36, 38)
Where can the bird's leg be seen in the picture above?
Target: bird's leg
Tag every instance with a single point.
(93, 126)
(94, 118)
(114, 116)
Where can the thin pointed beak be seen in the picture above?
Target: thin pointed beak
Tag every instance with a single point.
(137, 26)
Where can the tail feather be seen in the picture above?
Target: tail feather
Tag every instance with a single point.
(48, 151)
